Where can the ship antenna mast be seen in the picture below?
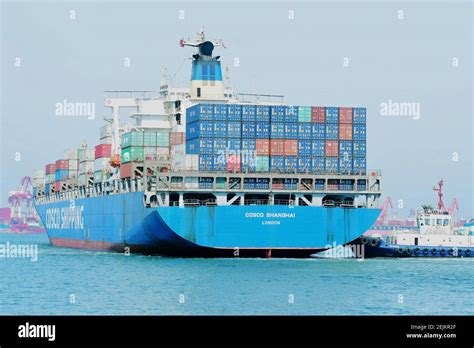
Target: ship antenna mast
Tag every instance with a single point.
(439, 189)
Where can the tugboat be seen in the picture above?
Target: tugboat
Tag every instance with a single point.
(435, 236)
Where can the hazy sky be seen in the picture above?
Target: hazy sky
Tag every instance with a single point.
(417, 52)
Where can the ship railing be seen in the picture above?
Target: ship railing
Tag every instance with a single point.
(256, 202)
(131, 94)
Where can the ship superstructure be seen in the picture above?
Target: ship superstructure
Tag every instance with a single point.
(204, 171)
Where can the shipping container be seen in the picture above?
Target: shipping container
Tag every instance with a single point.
(359, 165)
(345, 115)
(220, 129)
(162, 138)
(220, 109)
(332, 131)
(249, 113)
(262, 130)
(346, 185)
(50, 168)
(73, 165)
(332, 115)
(126, 170)
(149, 138)
(103, 150)
(106, 131)
(247, 162)
(319, 184)
(277, 164)
(359, 148)
(101, 164)
(345, 148)
(305, 148)
(262, 110)
(71, 154)
(262, 147)
(220, 145)
(132, 138)
(132, 154)
(319, 147)
(345, 165)
(291, 131)
(361, 185)
(84, 179)
(177, 138)
(50, 178)
(332, 164)
(86, 154)
(305, 164)
(249, 145)
(107, 140)
(359, 115)
(291, 114)
(38, 174)
(234, 145)
(248, 130)
(205, 183)
(206, 163)
(277, 147)
(277, 113)
(345, 131)
(199, 129)
(86, 167)
(331, 148)
(234, 129)
(318, 114)
(305, 131)
(290, 184)
(204, 112)
(234, 112)
(277, 130)
(58, 185)
(61, 174)
(202, 146)
(262, 163)
(98, 176)
(359, 132)
(318, 131)
(291, 147)
(319, 164)
(233, 163)
(185, 162)
(61, 164)
(304, 114)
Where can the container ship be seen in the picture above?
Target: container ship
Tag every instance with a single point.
(204, 171)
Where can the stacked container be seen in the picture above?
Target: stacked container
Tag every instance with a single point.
(61, 173)
(86, 165)
(102, 155)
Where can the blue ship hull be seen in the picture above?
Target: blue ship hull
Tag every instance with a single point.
(121, 221)
(378, 248)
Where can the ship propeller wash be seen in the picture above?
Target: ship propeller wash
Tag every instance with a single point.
(204, 171)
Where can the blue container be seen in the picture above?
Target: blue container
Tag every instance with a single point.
(332, 131)
(262, 110)
(199, 129)
(262, 184)
(345, 165)
(220, 109)
(359, 132)
(305, 131)
(234, 112)
(249, 113)
(248, 130)
(346, 185)
(220, 129)
(47, 189)
(305, 148)
(250, 183)
(277, 113)
(361, 185)
(290, 184)
(319, 164)
(291, 113)
(200, 146)
(248, 145)
(319, 131)
(291, 131)
(345, 148)
(235, 145)
(219, 162)
(319, 184)
(305, 164)
(234, 129)
(359, 165)
(332, 164)
(359, 148)
(277, 163)
(205, 183)
(318, 148)
(262, 130)
(332, 115)
(290, 164)
(277, 130)
(198, 112)
(61, 174)
(247, 161)
(206, 163)
(220, 145)
(359, 115)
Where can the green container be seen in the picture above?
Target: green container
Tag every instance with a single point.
(220, 183)
(149, 138)
(98, 176)
(262, 164)
(133, 138)
(132, 154)
(162, 139)
(304, 114)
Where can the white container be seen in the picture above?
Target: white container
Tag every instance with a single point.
(71, 154)
(105, 131)
(191, 183)
(86, 167)
(177, 150)
(38, 174)
(86, 154)
(107, 140)
(101, 164)
(73, 165)
(181, 163)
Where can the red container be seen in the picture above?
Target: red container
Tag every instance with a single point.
(50, 168)
(277, 147)
(345, 131)
(177, 138)
(126, 170)
(262, 147)
(103, 150)
(345, 115)
(331, 148)
(57, 186)
(291, 147)
(62, 165)
(333, 187)
(233, 163)
(277, 186)
(318, 114)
